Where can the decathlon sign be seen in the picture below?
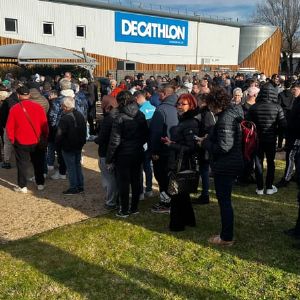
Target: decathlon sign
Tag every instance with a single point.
(133, 28)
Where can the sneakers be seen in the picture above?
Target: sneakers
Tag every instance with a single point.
(6, 165)
(50, 168)
(148, 194)
(91, 138)
(259, 192)
(160, 209)
(110, 207)
(272, 191)
(70, 192)
(134, 212)
(57, 175)
(40, 187)
(18, 189)
(282, 183)
(142, 197)
(120, 214)
(164, 197)
(216, 240)
(202, 200)
(80, 190)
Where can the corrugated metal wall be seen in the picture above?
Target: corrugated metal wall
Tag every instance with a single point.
(266, 58)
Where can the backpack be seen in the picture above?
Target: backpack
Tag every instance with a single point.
(249, 138)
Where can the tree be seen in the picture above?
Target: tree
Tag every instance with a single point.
(284, 14)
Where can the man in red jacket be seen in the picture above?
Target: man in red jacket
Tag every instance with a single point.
(26, 123)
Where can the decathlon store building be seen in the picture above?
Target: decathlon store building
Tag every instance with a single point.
(119, 37)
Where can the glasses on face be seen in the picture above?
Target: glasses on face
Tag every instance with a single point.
(181, 104)
(237, 95)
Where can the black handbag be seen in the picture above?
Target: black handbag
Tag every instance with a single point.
(185, 181)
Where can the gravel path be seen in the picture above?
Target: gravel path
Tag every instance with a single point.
(24, 215)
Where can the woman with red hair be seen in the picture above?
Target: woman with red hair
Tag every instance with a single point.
(182, 139)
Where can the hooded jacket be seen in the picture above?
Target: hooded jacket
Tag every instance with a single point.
(128, 134)
(225, 143)
(165, 118)
(267, 115)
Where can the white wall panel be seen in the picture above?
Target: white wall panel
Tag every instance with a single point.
(218, 43)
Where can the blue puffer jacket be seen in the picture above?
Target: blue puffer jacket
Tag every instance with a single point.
(163, 122)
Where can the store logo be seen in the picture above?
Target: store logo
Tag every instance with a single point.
(135, 28)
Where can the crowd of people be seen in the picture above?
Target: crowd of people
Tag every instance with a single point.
(147, 127)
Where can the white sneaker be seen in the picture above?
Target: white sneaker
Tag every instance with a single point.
(40, 187)
(272, 191)
(18, 189)
(259, 192)
(142, 197)
(31, 179)
(50, 168)
(57, 175)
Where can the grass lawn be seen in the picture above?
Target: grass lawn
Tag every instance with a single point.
(138, 258)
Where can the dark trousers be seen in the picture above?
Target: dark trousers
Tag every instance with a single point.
(62, 168)
(90, 118)
(297, 161)
(147, 168)
(181, 213)
(128, 171)
(25, 154)
(204, 173)
(160, 168)
(268, 150)
(223, 187)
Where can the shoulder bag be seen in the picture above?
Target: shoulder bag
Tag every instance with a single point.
(42, 141)
(185, 181)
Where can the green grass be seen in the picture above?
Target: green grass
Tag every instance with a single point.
(138, 258)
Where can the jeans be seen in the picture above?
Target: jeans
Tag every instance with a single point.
(7, 148)
(109, 183)
(62, 168)
(51, 154)
(73, 163)
(223, 187)
(269, 150)
(23, 156)
(147, 167)
(204, 173)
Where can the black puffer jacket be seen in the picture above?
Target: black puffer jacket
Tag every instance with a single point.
(128, 135)
(71, 131)
(267, 115)
(225, 143)
(183, 137)
(104, 131)
(293, 128)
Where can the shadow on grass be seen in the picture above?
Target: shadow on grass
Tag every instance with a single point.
(93, 281)
(259, 222)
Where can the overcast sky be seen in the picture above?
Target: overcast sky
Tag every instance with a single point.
(241, 9)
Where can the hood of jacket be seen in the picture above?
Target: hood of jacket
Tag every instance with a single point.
(235, 111)
(267, 93)
(130, 110)
(172, 99)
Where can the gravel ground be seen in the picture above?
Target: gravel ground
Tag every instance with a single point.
(24, 215)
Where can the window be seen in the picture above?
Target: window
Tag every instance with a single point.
(48, 28)
(11, 25)
(80, 31)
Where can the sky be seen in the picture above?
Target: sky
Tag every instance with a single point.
(240, 10)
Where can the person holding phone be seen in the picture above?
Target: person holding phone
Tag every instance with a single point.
(182, 139)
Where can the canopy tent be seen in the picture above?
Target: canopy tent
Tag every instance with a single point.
(33, 54)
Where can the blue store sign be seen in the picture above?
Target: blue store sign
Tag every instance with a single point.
(133, 28)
